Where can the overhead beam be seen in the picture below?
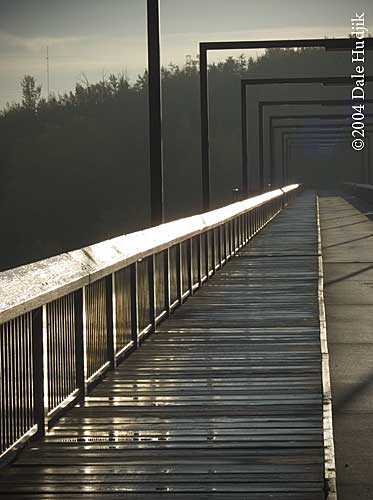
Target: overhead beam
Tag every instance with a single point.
(205, 47)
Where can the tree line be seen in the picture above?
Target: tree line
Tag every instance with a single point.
(75, 166)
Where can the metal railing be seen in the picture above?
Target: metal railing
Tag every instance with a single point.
(66, 320)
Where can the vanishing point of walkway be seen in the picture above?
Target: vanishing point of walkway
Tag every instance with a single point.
(223, 402)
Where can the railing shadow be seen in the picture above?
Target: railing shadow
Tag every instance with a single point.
(347, 276)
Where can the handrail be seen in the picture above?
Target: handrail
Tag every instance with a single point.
(66, 320)
(27, 287)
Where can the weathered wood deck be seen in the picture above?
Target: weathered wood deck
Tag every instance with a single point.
(223, 402)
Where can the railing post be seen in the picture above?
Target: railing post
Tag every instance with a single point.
(151, 277)
(225, 243)
(38, 370)
(79, 343)
(179, 271)
(199, 267)
(235, 238)
(190, 265)
(233, 235)
(134, 305)
(256, 219)
(220, 235)
(206, 234)
(228, 239)
(110, 321)
(213, 251)
(166, 274)
(260, 217)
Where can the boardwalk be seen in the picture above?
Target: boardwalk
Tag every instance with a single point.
(223, 402)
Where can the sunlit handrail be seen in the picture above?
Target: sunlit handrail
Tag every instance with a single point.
(27, 287)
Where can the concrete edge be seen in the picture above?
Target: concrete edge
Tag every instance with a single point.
(329, 453)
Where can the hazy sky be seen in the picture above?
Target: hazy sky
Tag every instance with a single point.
(93, 37)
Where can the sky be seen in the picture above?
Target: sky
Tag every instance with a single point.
(93, 38)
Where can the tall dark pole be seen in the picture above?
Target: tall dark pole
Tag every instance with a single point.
(245, 180)
(155, 115)
(204, 128)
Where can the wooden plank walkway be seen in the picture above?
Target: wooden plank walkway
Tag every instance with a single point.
(223, 402)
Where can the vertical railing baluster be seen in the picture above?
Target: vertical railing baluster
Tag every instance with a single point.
(152, 285)
(229, 235)
(232, 229)
(199, 267)
(8, 387)
(16, 380)
(237, 232)
(220, 235)
(116, 340)
(213, 250)
(3, 414)
(30, 373)
(190, 265)
(110, 341)
(80, 363)
(134, 305)
(256, 220)
(206, 245)
(38, 370)
(167, 289)
(225, 242)
(179, 274)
